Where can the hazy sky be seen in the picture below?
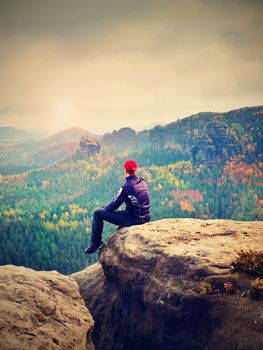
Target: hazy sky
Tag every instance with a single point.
(105, 64)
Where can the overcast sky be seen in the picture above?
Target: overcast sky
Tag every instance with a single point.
(105, 64)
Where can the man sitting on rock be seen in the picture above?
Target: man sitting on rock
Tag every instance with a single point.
(135, 194)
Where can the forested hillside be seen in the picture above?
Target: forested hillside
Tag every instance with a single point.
(204, 166)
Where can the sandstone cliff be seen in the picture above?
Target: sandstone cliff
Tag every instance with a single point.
(215, 143)
(42, 310)
(162, 286)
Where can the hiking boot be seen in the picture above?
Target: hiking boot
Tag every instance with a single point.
(94, 247)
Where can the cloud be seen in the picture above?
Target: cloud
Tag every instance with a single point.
(107, 64)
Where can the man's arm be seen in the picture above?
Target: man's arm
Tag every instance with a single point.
(117, 201)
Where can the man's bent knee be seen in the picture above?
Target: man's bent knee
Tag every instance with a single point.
(99, 212)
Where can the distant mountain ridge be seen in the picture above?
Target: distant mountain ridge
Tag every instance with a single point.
(237, 131)
(241, 128)
(65, 136)
(191, 138)
(39, 153)
(59, 146)
(10, 134)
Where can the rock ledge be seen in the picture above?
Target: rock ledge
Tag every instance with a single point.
(145, 292)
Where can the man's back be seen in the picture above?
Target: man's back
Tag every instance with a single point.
(138, 201)
(135, 194)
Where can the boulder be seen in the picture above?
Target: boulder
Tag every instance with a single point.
(169, 285)
(42, 310)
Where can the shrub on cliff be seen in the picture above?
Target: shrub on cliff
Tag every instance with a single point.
(250, 262)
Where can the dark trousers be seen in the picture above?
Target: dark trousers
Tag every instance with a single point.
(121, 218)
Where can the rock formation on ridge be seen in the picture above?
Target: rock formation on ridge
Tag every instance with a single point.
(214, 143)
(42, 310)
(88, 146)
(147, 291)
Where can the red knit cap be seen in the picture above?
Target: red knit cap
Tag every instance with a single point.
(130, 164)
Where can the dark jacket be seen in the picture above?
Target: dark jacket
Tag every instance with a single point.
(135, 194)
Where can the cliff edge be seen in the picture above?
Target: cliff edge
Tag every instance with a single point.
(42, 310)
(169, 285)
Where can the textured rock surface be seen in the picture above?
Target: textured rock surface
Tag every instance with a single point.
(88, 146)
(215, 142)
(42, 310)
(146, 291)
